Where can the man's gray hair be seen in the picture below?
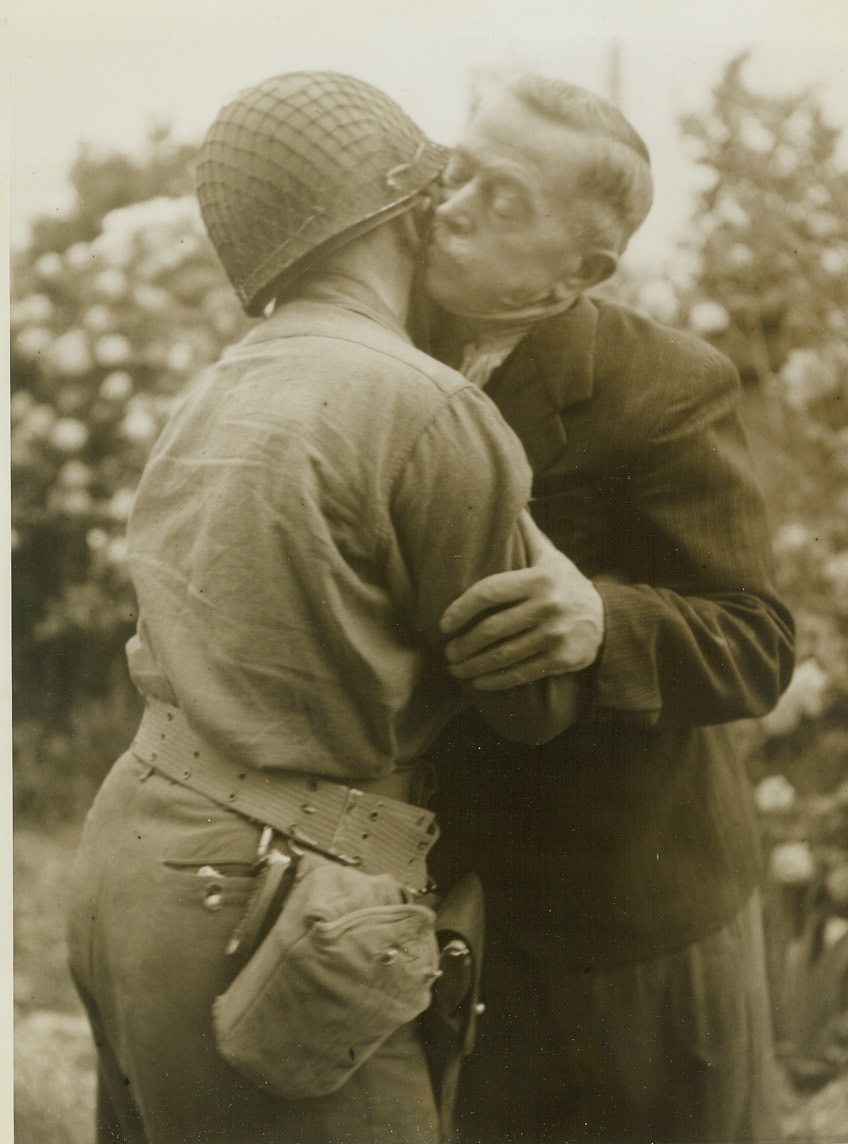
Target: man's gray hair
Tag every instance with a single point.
(617, 173)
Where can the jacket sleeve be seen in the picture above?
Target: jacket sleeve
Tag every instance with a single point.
(705, 639)
(454, 510)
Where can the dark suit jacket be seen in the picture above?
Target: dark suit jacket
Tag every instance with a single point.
(632, 833)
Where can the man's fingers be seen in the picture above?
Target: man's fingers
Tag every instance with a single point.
(506, 655)
(492, 592)
(528, 671)
(502, 625)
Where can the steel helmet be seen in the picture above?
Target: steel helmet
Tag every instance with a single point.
(298, 166)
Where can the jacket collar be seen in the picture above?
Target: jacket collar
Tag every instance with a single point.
(560, 351)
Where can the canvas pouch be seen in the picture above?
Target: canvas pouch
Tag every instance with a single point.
(349, 960)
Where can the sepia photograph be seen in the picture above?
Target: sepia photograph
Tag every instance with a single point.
(428, 489)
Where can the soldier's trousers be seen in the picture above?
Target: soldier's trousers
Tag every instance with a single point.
(161, 879)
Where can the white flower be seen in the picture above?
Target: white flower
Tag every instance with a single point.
(180, 357)
(75, 475)
(774, 794)
(837, 883)
(834, 930)
(834, 261)
(116, 386)
(20, 404)
(817, 195)
(79, 256)
(120, 506)
(49, 266)
(14, 540)
(786, 159)
(152, 299)
(792, 538)
(113, 349)
(139, 425)
(755, 136)
(659, 299)
(114, 248)
(69, 502)
(34, 310)
(69, 435)
(798, 127)
(116, 551)
(138, 218)
(807, 378)
(98, 319)
(733, 213)
(793, 863)
(111, 283)
(809, 687)
(73, 502)
(33, 341)
(708, 318)
(805, 697)
(740, 255)
(38, 422)
(70, 354)
(822, 224)
(96, 538)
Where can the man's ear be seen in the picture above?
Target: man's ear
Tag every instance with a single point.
(597, 266)
(594, 268)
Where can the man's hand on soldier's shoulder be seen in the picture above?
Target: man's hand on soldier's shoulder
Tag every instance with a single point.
(517, 627)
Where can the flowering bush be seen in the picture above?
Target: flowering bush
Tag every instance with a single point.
(104, 337)
(806, 837)
(771, 289)
(105, 334)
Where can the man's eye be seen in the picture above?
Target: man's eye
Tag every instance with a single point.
(506, 203)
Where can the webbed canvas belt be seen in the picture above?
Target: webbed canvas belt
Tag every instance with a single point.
(367, 829)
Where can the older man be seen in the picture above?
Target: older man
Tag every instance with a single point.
(624, 971)
(315, 502)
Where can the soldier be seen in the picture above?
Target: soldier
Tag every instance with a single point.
(313, 505)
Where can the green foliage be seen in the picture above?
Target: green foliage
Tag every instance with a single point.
(113, 308)
(771, 236)
(770, 244)
(103, 181)
(771, 289)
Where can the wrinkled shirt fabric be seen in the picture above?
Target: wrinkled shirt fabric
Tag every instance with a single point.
(319, 498)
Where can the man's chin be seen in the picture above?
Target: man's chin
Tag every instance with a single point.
(447, 290)
(441, 289)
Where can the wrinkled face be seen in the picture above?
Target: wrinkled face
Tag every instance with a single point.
(508, 227)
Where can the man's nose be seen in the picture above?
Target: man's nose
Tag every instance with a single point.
(456, 209)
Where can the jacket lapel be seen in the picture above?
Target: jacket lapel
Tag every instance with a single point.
(551, 369)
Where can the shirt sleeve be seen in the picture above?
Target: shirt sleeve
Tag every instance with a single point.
(707, 640)
(455, 509)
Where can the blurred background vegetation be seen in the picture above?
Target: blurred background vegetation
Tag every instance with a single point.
(117, 303)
